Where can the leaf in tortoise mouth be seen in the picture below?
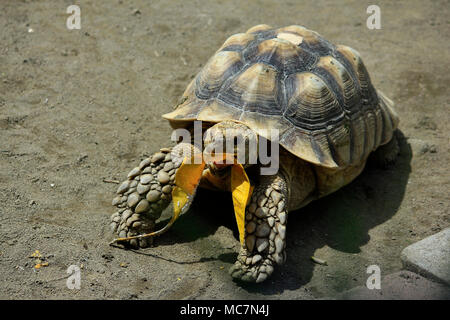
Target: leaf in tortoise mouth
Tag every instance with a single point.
(187, 180)
(241, 191)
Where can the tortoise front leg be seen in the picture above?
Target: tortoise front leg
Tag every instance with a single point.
(146, 193)
(265, 231)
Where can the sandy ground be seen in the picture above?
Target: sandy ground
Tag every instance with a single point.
(80, 106)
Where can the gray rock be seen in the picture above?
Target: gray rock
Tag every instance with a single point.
(402, 285)
(430, 257)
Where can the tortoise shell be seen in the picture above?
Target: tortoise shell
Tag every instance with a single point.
(318, 95)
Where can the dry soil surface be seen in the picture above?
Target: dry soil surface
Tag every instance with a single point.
(81, 106)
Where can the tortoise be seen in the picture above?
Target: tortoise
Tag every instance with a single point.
(318, 96)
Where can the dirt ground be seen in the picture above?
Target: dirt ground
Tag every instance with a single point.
(80, 106)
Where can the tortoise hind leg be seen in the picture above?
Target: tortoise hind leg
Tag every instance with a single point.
(386, 155)
(265, 234)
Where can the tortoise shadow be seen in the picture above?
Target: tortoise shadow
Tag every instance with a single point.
(341, 221)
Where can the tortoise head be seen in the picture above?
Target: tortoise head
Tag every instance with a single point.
(230, 142)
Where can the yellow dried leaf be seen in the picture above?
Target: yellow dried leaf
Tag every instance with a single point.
(241, 191)
(187, 180)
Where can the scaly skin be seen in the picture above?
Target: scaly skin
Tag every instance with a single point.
(265, 231)
(145, 194)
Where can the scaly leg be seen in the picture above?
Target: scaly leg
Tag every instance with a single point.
(265, 235)
(145, 194)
